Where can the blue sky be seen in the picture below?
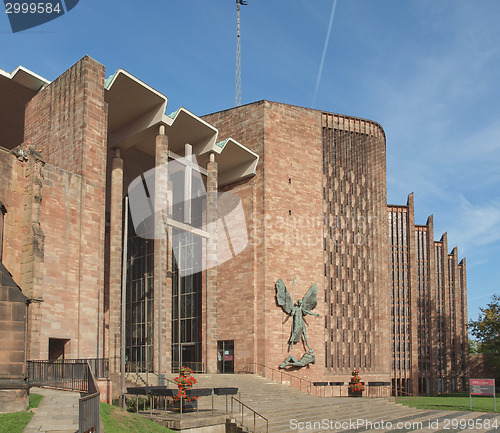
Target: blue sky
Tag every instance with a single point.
(427, 71)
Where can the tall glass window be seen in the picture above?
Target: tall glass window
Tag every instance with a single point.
(139, 309)
(189, 254)
(186, 303)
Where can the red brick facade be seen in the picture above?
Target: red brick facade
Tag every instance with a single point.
(429, 348)
(54, 227)
(67, 123)
(293, 206)
(322, 178)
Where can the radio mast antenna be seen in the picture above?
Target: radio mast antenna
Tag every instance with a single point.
(237, 91)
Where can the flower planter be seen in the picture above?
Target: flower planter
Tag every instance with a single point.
(356, 387)
(184, 382)
(187, 406)
(355, 393)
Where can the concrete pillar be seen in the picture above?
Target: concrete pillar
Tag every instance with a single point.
(163, 261)
(115, 261)
(211, 289)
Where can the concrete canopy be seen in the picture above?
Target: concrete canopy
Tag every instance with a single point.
(16, 89)
(136, 111)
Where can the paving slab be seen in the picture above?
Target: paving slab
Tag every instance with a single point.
(57, 413)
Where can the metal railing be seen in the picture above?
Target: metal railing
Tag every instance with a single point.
(99, 366)
(142, 377)
(71, 375)
(253, 412)
(60, 367)
(197, 367)
(89, 419)
(280, 373)
(401, 395)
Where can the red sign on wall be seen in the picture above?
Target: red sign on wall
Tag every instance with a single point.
(482, 387)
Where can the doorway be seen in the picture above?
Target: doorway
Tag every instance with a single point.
(56, 348)
(225, 356)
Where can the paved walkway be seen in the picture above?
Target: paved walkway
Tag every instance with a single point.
(57, 413)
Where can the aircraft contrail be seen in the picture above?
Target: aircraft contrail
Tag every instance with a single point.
(324, 51)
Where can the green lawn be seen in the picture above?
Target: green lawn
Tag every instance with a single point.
(451, 402)
(16, 421)
(116, 420)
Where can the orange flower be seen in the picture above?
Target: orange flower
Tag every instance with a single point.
(184, 381)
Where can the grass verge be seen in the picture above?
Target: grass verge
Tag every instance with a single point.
(15, 422)
(459, 402)
(116, 420)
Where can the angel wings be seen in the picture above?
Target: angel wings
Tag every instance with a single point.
(309, 301)
(304, 306)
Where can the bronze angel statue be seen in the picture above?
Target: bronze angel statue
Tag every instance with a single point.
(304, 306)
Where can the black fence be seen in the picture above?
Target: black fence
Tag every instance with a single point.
(73, 375)
(157, 397)
(89, 407)
(66, 374)
(70, 376)
(99, 366)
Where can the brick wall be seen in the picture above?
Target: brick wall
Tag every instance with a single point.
(67, 122)
(240, 304)
(283, 204)
(61, 221)
(276, 238)
(12, 181)
(293, 234)
(13, 309)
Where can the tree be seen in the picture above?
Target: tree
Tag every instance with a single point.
(487, 329)
(474, 346)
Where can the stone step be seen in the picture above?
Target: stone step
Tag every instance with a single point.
(280, 404)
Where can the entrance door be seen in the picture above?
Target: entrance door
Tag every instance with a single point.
(225, 356)
(190, 356)
(56, 348)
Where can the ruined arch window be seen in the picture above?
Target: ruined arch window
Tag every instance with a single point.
(3, 211)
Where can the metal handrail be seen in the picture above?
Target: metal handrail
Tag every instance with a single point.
(70, 376)
(255, 413)
(397, 391)
(99, 366)
(197, 367)
(89, 406)
(281, 372)
(171, 381)
(138, 376)
(146, 382)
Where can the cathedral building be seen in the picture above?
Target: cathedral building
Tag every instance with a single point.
(193, 220)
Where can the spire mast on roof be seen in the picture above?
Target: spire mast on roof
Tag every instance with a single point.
(237, 92)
